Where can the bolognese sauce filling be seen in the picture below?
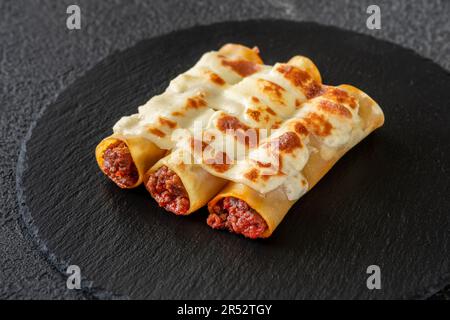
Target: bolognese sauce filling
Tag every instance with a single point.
(119, 165)
(235, 215)
(167, 189)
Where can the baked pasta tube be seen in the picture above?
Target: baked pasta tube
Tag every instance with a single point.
(309, 145)
(263, 100)
(142, 139)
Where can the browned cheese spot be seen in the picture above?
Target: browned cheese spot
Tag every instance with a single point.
(289, 141)
(252, 174)
(227, 122)
(210, 137)
(254, 114)
(276, 125)
(300, 129)
(243, 133)
(242, 67)
(334, 108)
(166, 122)
(214, 77)
(272, 90)
(301, 79)
(340, 96)
(263, 164)
(270, 111)
(156, 132)
(196, 102)
(318, 124)
(220, 163)
(177, 114)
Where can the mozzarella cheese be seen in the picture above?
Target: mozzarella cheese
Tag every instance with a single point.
(278, 160)
(188, 98)
(248, 123)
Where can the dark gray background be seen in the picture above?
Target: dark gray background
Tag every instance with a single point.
(39, 57)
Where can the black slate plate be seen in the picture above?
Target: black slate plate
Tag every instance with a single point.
(385, 203)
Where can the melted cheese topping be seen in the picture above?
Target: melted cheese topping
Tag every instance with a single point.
(278, 160)
(264, 99)
(188, 98)
(206, 116)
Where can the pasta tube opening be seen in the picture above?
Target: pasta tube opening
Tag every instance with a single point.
(119, 166)
(235, 215)
(125, 160)
(181, 188)
(168, 190)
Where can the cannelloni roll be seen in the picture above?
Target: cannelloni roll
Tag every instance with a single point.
(309, 144)
(142, 139)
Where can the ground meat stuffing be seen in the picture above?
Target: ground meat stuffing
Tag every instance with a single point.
(236, 216)
(119, 166)
(168, 190)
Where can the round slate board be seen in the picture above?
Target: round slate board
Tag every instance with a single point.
(385, 203)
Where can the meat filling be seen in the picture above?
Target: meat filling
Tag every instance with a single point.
(237, 216)
(119, 166)
(168, 190)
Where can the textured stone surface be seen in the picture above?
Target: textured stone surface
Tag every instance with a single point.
(39, 57)
(129, 247)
